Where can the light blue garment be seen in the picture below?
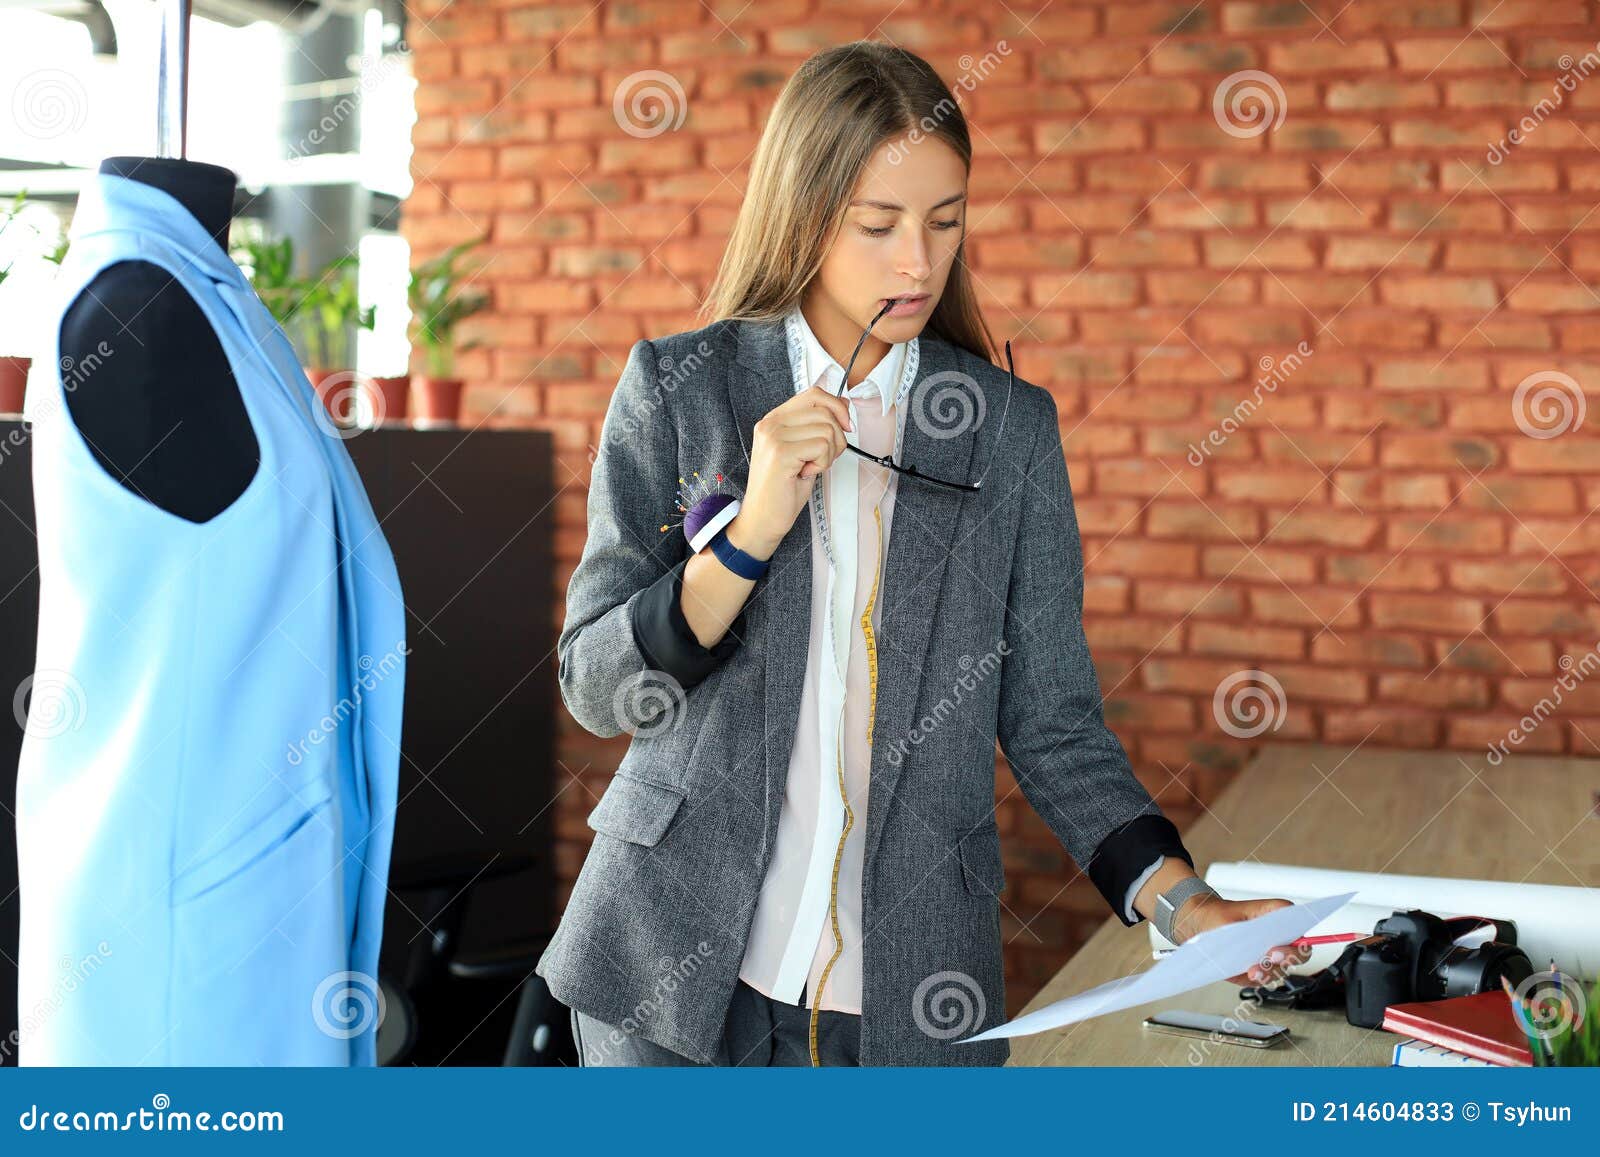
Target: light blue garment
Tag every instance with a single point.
(206, 796)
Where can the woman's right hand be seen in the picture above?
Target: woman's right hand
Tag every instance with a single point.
(794, 442)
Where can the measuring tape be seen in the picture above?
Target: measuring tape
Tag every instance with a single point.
(849, 813)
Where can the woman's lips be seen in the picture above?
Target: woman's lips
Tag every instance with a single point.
(907, 306)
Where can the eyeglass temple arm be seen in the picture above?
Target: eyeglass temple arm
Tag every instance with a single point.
(844, 382)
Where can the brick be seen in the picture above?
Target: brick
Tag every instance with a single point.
(1380, 253)
(1449, 531)
(1085, 287)
(1271, 564)
(1368, 649)
(1412, 216)
(1327, 55)
(1140, 249)
(1083, 135)
(1204, 521)
(1545, 617)
(1305, 607)
(1437, 451)
(1438, 291)
(1324, 134)
(1403, 14)
(1384, 572)
(1447, 54)
(1180, 599)
(1195, 289)
(1321, 213)
(1347, 96)
(1496, 656)
(1263, 643)
(1521, 496)
(1445, 690)
(1271, 252)
(1520, 576)
(1445, 613)
(1454, 373)
(1565, 296)
(1179, 56)
(1485, 731)
(1381, 725)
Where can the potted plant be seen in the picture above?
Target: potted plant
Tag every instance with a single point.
(269, 266)
(329, 306)
(13, 368)
(439, 302)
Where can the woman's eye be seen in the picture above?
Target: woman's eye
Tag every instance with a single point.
(883, 229)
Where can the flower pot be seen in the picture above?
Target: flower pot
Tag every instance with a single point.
(386, 397)
(337, 390)
(13, 383)
(438, 400)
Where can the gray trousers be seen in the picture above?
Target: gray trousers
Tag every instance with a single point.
(758, 1032)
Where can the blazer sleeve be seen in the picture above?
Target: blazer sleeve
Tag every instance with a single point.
(1071, 767)
(623, 612)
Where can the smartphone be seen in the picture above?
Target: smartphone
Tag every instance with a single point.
(1230, 1030)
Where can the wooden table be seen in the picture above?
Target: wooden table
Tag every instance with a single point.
(1432, 813)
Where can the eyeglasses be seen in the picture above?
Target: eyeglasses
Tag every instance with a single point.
(911, 471)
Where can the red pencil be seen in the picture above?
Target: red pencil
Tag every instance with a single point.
(1331, 938)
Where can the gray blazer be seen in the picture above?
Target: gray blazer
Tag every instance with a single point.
(981, 638)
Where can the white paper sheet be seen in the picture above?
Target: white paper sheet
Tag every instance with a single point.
(1554, 921)
(1204, 959)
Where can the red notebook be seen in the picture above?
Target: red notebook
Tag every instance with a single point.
(1481, 1026)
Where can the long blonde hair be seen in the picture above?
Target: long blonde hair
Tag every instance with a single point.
(834, 112)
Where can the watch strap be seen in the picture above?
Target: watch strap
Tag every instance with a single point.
(746, 566)
(1168, 903)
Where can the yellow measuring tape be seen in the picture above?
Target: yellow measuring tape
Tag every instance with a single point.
(849, 813)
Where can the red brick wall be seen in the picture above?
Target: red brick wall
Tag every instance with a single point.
(1381, 536)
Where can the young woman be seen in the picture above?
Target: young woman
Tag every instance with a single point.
(797, 861)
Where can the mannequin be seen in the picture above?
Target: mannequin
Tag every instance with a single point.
(162, 414)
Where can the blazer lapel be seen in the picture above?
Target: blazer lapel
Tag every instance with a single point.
(920, 541)
(909, 591)
(760, 382)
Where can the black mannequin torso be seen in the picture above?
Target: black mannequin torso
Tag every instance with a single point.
(161, 411)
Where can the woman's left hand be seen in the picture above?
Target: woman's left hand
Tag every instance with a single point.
(1202, 913)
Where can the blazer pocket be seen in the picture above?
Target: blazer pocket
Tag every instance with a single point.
(636, 810)
(274, 830)
(981, 869)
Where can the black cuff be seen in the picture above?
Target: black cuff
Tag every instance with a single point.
(665, 639)
(1127, 852)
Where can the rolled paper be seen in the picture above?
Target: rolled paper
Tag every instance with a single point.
(1554, 921)
(707, 517)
